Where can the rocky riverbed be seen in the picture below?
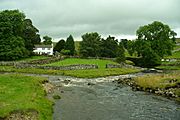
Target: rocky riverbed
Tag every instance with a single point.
(104, 99)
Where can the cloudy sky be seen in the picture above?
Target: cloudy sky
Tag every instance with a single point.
(120, 18)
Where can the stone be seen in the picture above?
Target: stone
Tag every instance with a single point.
(90, 84)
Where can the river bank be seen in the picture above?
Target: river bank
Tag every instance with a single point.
(167, 85)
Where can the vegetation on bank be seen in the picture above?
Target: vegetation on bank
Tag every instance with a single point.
(161, 81)
(90, 73)
(22, 93)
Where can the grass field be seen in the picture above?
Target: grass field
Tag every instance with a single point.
(33, 58)
(23, 93)
(72, 61)
(90, 73)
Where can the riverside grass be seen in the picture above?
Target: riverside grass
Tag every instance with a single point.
(72, 61)
(90, 73)
(21, 93)
(161, 81)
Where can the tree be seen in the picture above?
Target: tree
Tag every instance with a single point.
(12, 45)
(69, 45)
(124, 42)
(30, 35)
(109, 47)
(160, 36)
(47, 40)
(130, 47)
(120, 53)
(154, 41)
(59, 46)
(90, 45)
(149, 57)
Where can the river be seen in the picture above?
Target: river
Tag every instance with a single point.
(104, 99)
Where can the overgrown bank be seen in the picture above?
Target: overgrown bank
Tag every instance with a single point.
(167, 85)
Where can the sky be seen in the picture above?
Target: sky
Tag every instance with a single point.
(119, 18)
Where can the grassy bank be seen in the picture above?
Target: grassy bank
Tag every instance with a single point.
(90, 73)
(161, 81)
(23, 93)
(72, 61)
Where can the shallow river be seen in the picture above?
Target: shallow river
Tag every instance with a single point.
(103, 99)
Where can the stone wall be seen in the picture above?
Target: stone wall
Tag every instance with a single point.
(5, 63)
(69, 67)
(122, 65)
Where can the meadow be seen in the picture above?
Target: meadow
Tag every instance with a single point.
(19, 93)
(74, 61)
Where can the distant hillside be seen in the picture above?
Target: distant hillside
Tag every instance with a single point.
(77, 44)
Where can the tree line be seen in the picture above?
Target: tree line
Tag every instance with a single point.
(154, 41)
(18, 36)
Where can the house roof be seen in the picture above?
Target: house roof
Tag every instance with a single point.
(43, 46)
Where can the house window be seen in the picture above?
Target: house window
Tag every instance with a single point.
(43, 48)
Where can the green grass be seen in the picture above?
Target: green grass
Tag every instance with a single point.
(161, 81)
(158, 81)
(19, 92)
(177, 47)
(93, 73)
(174, 55)
(90, 73)
(72, 61)
(33, 58)
(168, 67)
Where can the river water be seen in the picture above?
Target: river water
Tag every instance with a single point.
(104, 99)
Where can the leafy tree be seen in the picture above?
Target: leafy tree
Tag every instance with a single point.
(12, 45)
(65, 52)
(160, 37)
(109, 47)
(124, 42)
(47, 40)
(130, 47)
(30, 35)
(70, 45)
(89, 47)
(149, 57)
(120, 53)
(154, 42)
(59, 46)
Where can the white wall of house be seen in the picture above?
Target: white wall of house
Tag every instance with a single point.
(43, 50)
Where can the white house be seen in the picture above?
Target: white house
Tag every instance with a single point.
(43, 49)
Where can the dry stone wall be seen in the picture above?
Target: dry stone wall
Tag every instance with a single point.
(69, 67)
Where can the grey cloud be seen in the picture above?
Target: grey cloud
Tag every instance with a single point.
(59, 18)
